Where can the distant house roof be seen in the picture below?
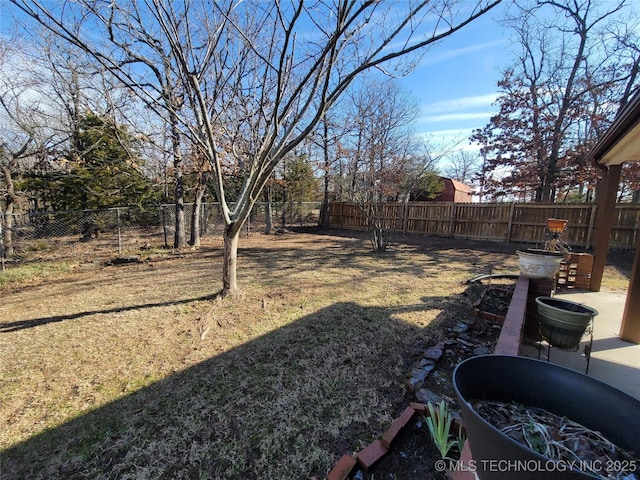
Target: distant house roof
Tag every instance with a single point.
(461, 187)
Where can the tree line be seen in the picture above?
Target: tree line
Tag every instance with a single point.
(575, 66)
(108, 103)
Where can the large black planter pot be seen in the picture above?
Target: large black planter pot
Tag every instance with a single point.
(538, 384)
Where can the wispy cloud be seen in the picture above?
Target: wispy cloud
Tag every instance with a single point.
(449, 137)
(461, 103)
(454, 117)
(432, 58)
(450, 140)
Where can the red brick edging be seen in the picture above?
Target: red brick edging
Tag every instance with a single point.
(373, 452)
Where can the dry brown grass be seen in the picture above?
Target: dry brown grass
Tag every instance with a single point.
(139, 371)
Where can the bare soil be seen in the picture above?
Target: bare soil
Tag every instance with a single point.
(142, 371)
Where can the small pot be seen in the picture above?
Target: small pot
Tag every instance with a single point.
(557, 225)
(535, 263)
(562, 322)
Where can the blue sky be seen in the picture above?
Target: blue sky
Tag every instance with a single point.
(456, 82)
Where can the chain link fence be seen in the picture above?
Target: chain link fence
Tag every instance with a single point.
(125, 230)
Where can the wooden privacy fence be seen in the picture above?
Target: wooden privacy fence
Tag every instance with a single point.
(505, 222)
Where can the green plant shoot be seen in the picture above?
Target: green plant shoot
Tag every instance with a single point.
(439, 424)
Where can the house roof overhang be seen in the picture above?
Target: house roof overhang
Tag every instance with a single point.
(621, 142)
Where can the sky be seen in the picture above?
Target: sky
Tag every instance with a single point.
(456, 82)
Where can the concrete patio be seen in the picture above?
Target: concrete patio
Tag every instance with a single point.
(613, 361)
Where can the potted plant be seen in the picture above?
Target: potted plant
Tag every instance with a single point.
(557, 225)
(536, 263)
(562, 322)
(538, 385)
(545, 263)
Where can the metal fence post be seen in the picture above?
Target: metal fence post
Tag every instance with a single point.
(2, 242)
(164, 225)
(119, 232)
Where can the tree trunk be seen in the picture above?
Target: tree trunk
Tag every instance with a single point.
(284, 210)
(194, 238)
(230, 260)
(380, 237)
(179, 240)
(268, 211)
(323, 221)
(7, 230)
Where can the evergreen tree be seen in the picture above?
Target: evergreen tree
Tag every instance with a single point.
(100, 170)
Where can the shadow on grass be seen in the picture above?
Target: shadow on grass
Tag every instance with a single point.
(284, 405)
(352, 249)
(36, 322)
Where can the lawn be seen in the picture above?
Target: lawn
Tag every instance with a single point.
(141, 371)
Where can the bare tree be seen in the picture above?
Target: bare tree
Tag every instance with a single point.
(463, 166)
(383, 159)
(255, 75)
(328, 138)
(26, 127)
(201, 169)
(559, 93)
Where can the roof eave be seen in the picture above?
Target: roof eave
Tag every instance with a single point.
(627, 120)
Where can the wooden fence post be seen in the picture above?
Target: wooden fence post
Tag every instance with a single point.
(512, 208)
(592, 220)
(405, 218)
(452, 218)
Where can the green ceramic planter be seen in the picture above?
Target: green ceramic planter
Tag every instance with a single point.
(562, 322)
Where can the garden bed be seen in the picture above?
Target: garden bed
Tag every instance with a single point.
(494, 304)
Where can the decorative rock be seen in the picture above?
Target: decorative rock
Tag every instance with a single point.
(481, 351)
(425, 396)
(460, 327)
(419, 373)
(468, 321)
(465, 343)
(464, 336)
(449, 342)
(414, 384)
(428, 365)
(433, 353)
(426, 362)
